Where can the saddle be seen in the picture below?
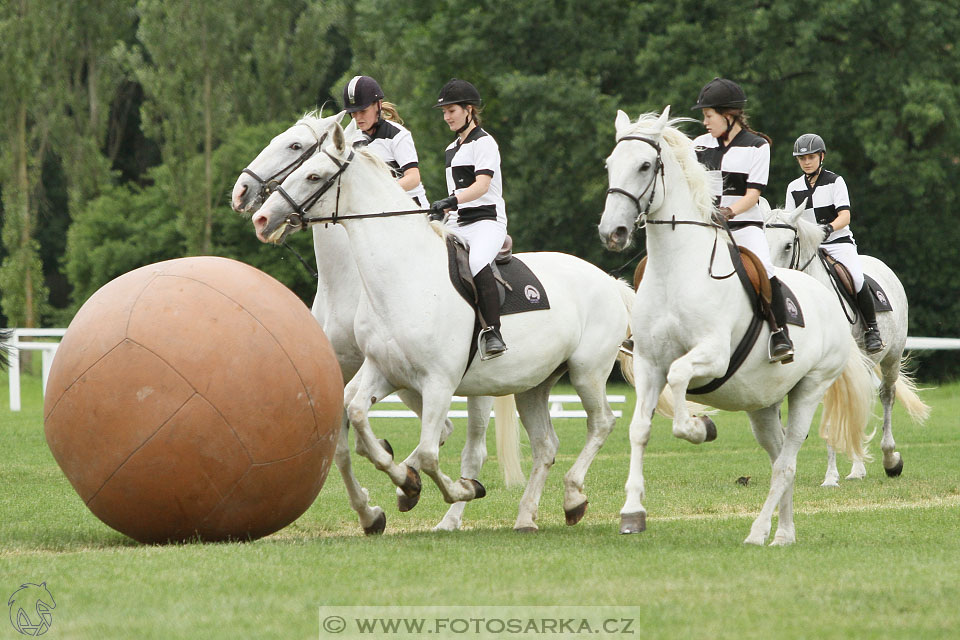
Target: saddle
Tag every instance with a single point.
(841, 277)
(519, 288)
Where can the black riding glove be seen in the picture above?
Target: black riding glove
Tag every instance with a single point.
(827, 230)
(437, 209)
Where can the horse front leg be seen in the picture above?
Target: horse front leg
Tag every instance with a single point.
(426, 456)
(706, 360)
(372, 388)
(473, 456)
(372, 519)
(649, 383)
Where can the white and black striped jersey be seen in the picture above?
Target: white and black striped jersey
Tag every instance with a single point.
(827, 198)
(478, 155)
(393, 144)
(744, 164)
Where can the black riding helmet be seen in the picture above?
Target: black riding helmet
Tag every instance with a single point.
(360, 93)
(458, 92)
(808, 143)
(721, 93)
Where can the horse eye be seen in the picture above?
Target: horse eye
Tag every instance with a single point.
(296, 146)
(313, 177)
(645, 166)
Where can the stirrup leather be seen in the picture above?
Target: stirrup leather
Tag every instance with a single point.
(482, 345)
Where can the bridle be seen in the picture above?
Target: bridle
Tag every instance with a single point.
(271, 183)
(795, 258)
(298, 218)
(643, 211)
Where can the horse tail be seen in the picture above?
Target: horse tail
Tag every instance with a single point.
(6, 337)
(906, 392)
(847, 407)
(508, 440)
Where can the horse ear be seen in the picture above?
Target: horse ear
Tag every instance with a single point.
(794, 214)
(664, 118)
(622, 122)
(350, 131)
(339, 141)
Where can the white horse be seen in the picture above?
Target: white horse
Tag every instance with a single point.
(794, 242)
(688, 320)
(414, 328)
(335, 308)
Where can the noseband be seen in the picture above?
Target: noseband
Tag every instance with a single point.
(642, 211)
(270, 184)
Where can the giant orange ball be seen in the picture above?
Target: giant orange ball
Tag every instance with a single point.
(194, 398)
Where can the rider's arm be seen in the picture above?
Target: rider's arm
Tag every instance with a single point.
(477, 189)
(410, 178)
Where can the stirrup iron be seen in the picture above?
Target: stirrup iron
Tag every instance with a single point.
(784, 358)
(482, 345)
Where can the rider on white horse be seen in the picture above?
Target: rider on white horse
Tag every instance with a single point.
(742, 155)
(828, 204)
(474, 179)
(384, 133)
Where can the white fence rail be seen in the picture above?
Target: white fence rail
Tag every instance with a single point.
(560, 405)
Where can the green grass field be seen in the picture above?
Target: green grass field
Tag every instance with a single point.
(878, 557)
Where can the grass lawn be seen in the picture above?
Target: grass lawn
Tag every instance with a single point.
(876, 557)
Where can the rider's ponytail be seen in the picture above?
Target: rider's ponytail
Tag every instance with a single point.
(390, 112)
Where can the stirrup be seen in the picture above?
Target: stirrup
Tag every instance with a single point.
(783, 358)
(482, 345)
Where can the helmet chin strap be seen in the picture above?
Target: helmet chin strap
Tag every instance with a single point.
(816, 172)
(466, 123)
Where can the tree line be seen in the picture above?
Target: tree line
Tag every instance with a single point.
(127, 121)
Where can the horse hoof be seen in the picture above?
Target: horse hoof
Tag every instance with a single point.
(411, 491)
(407, 503)
(386, 445)
(479, 491)
(574, 515)
(633, 522)
(526, 529)
(378, 525)
(896, 470)
(711, 429)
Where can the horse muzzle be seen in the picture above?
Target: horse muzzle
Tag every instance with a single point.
(616, 239)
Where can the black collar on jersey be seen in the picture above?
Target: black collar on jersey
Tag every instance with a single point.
(478, 132)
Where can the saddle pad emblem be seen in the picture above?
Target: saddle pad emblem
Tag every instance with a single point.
(532, 293)
(791, 308)
(882, 297)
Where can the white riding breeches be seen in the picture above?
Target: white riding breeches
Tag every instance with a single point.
(846, 254)
(485, 238)
(755, 240)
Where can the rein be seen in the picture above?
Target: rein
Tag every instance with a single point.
(271, 183)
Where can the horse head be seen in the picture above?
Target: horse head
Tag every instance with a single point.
(285, 153)
(285, 210)
(792, 239)
(632, 170)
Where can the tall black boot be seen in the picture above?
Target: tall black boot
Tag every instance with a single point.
(871, 333)
(490, 310)
(780, 348)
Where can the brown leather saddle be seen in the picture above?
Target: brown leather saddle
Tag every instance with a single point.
(841, 277)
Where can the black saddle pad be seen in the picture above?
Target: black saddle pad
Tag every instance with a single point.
(880, 300)
(527, 292)
(792, 306)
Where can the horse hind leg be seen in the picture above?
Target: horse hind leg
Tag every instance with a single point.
(591, 387)
(472, 458)
(892, 460)
(534, 413)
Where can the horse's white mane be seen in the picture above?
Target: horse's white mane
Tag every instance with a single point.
(681, 149)
(808, 233)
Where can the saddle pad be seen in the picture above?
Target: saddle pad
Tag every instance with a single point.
(792, 306)
(528, 293)
(880, 300)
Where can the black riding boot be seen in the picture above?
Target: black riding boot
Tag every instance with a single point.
(780, 348)
(490, 310)
(871, 333)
